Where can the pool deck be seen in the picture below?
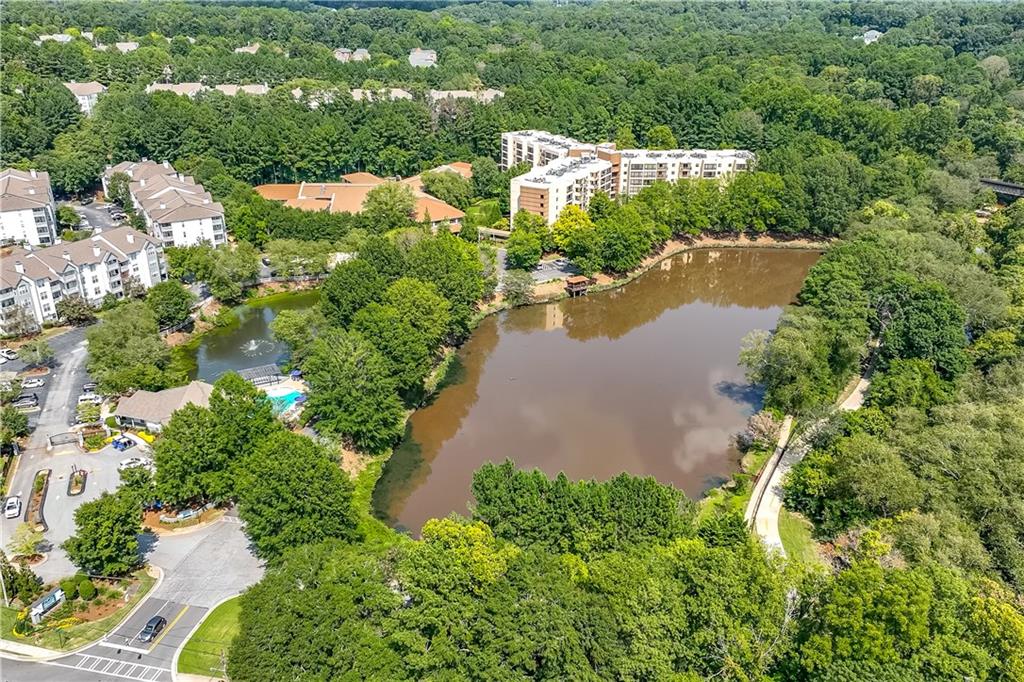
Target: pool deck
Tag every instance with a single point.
(285, 387)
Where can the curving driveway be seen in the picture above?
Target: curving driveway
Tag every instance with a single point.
(200, 569)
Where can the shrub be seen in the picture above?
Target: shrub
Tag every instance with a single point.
(86, 589)
(111, 422)
(95, 441)
(70, 588)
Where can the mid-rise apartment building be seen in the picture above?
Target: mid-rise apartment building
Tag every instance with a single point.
(629, 170)
(87, 94)
(539, 148)
(36, 279)
(177, 210)
(567, 181)
(28, 213)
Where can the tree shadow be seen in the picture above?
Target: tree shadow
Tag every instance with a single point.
(744, 393)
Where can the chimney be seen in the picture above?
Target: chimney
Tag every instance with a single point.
(167, 164)
(206, 201)
(163, 205)
(142, 182)
(32, 190)
(130, 237)
(67, 256)
(95, 251)
(19, 268)
(34, 174)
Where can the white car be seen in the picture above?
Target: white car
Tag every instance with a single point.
(133, 462)
(12, 508)
(8, 353)
(90, 398)
(33, 383)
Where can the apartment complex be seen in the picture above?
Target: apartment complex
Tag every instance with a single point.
(546, 190)
(35, 279)
(349, 195)
(577, 168)
(422, 58)
(87, 94)
(177, 210)
(28, 213)
(345, 55)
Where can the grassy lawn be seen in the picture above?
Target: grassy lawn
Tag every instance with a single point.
(483, 213)
(202, 652)
(795, 532)
(74, 636)
(375, 532)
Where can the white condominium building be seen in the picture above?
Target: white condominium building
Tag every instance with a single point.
(639, 168)
(35, 279)
(549, 189)
(539, 148)
(630, 170)
(176, 210)
(87, 94)
(28, 213)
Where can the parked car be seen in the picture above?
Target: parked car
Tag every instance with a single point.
(86, 201)
(122, 443)
(90, 398)
(133, 462)
(152, 629)
(12, 507)
(8, 353)
(89, 387)
(33, 383)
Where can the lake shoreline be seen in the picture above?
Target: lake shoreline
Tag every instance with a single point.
(555, 292)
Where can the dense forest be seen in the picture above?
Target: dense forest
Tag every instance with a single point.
(917, 495)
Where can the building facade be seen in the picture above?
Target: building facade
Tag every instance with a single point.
(87, 94)
(547, 190)
(177, 211)
(34, 280)
(577, 168)
(28, 213)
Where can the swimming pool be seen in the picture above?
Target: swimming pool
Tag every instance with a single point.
(284, 402)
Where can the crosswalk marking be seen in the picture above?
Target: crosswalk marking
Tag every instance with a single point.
(113, 667)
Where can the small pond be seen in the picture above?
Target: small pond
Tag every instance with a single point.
(247, 341)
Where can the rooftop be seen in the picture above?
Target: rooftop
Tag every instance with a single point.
(157, 407)
(20, 190)
(85, 89)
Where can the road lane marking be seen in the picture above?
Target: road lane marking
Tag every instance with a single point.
(168, 628)
(90, 663)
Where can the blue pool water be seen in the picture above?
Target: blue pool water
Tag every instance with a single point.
(282, 403)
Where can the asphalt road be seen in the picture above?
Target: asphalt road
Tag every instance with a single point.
(200, 570)
(58, 399)
(549, 270)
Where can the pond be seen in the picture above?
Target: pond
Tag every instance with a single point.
(642, 379)
(247, 341)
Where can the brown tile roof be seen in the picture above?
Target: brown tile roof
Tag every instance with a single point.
(361, 177)
(459, 167)
(49, 262)
(23, 189)
(141, 170)
(157, 407)
(85, 89)
(348, 197)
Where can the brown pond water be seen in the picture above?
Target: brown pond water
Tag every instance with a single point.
(641, 379)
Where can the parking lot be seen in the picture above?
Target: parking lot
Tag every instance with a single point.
(96, 213)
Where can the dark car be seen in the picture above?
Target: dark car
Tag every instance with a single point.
(152, 629)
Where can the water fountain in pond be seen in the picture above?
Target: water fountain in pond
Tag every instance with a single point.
(254, 347)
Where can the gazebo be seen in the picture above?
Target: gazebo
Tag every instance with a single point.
(264, 375)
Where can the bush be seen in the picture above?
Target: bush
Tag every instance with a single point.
(95, 441)
(86, 589)
(70, 588)
(111, 422)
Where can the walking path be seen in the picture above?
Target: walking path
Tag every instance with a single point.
(766, 501)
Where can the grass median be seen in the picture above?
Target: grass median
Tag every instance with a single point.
(206, 651)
